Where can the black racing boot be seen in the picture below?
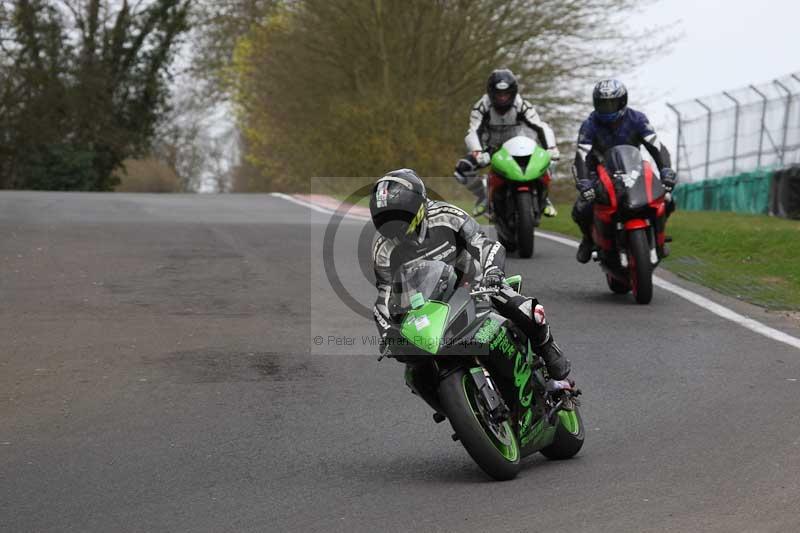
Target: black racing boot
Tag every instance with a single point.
(585, 249)
(481, 207)
(558, 366)
(529, 315)
(478, 188)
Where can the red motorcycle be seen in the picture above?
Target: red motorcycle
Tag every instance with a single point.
(629, 222)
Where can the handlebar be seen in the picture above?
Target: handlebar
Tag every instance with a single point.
(482, 291)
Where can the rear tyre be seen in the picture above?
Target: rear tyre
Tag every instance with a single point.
(494, 447)
(616, 286)
(569, 436)
(524, 225)
(641, 269)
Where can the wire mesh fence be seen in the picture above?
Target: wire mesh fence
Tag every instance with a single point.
(739, 131)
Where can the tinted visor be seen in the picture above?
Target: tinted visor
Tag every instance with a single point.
(395, 224)
(608, 105)
(392, 229)
(503, 98)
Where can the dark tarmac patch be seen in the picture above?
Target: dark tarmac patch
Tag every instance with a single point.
(217, 366)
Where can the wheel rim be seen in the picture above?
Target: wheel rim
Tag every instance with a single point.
(500, 435)
(569, 420)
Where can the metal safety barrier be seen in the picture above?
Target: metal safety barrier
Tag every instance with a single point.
(732, 132)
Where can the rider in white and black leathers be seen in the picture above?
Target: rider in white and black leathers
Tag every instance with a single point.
(412, 228)
(499, 115)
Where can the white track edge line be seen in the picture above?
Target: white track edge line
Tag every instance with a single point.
(705, 303)
(315, 207)
(693, 297)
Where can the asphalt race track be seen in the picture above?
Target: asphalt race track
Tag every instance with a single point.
(159, 372)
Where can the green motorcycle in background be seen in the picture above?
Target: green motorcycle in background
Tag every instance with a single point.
(476, 369)
(517, 190)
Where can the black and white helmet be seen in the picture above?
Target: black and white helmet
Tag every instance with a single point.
(502, 89)
(610, 99)
(398, 206)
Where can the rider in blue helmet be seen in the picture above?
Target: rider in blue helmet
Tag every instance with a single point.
(612, 123)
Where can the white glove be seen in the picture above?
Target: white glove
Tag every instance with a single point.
(555, 155)
(483, 159)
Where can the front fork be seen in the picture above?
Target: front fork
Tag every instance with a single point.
(622, 243)
(420, 379)
(490, 395)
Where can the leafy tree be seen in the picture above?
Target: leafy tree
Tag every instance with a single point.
(85, 83)
(354, 87)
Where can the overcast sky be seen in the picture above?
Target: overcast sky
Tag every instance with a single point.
(725, 45)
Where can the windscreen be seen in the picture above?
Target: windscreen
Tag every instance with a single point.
(626, 168)
(624, 160)
(433, 280)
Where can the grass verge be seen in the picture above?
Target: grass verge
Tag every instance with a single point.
(755, 258)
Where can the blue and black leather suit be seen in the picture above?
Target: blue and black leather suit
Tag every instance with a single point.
(596, 138)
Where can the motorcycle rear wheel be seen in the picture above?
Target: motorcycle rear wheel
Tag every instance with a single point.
(493, 447)
(569, 436)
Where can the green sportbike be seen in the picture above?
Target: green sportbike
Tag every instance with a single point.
(476, 369)
(517, 190)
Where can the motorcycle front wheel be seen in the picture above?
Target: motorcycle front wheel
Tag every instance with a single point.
(494, 447)
(616, 286)
(524, 224)
(641, 269)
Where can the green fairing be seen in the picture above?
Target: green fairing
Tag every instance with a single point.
(424, 327)
(507, 167)
(525, 422)
(487, 331)
(541, 433)
(522, 374)
(515, 282)
(522, 369)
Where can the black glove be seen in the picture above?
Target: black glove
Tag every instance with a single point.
(493, 277)
(586, 188)
(466, 168)
(668, 178)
